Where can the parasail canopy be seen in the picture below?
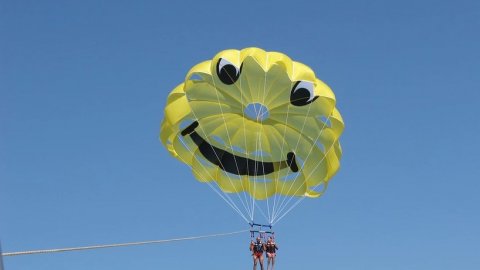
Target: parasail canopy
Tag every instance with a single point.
(255, 124)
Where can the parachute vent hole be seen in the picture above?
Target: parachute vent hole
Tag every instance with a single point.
(218, 139)
(319, 188)
(320, 146)
(257, 112)
(294, 175)
(196, 77)
(326, 120)
(232, 176)
(262, 180)
(185, 123)
(290, 177)
(260, 154)
(204, 162)
(238, 149)
(300, 161)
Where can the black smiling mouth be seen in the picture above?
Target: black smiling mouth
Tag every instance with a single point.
(235, 164)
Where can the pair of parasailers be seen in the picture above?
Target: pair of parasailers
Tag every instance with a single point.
(257, 248)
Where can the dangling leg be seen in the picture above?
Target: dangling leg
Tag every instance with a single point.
(269, 260)
(273, 260)
(261, 261)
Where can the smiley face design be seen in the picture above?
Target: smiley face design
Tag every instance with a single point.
(256, 122)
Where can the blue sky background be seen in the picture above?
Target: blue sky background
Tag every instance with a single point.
(82, 90)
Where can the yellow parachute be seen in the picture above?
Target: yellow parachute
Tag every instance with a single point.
(255, 122)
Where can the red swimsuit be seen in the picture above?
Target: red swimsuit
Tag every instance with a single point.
(257, 249)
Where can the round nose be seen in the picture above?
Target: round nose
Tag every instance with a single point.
(256, 111)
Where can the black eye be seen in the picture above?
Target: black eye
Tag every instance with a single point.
(227, 72)
(302, 93)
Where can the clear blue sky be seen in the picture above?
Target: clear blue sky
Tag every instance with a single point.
(82, 90)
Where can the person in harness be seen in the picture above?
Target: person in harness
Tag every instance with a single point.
(271, 248)
(257, 248)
